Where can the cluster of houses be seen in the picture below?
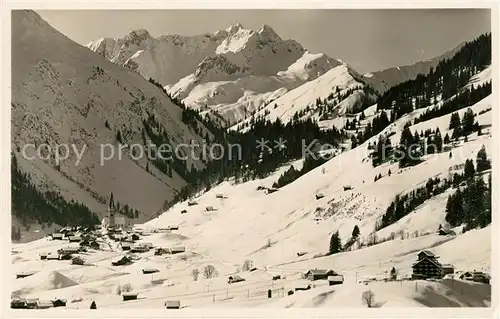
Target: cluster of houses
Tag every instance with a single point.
(35, 303)
(427, 266)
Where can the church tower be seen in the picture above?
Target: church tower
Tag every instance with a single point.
(111, 212)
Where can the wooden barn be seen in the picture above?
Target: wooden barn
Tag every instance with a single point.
(177, 250)
(172, 304)
(149, 271)
(59, 302)
(319, 274)
(129, 296)
(335, 280)
(18, 303)
(427, 266)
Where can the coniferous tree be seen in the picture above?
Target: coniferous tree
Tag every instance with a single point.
(446, 139)
(482, 161)
(454, 121)
(335, 243)
(355, 232)
(469, 169)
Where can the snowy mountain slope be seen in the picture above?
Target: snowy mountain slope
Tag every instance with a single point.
(327, 87)
(384, 79)
(271, 229)
(63, 93)
(158, 58)
(237, 99)
(233, 73)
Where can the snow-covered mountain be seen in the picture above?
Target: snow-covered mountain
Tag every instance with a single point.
(233, 73)
(63, 93)
(384, 79)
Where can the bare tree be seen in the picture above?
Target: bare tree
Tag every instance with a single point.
(372, 239)
(195, 273)
(368, 298)
(393, 236)
(118, 290)
(402, 234)
(247, 265)
(209, 271)
(126, 288)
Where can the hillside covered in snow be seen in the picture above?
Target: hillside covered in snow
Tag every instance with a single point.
(329, 194)
(234, 73)
(64, 94)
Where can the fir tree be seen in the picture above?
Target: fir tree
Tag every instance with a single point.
(355, 232)
(482, 161)
(335, 243)
(469, 170)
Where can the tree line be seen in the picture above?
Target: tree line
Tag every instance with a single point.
(29, 203)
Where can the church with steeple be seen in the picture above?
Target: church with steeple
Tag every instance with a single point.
(113, 221)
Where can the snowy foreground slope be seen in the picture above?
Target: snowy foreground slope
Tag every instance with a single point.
(270, 229)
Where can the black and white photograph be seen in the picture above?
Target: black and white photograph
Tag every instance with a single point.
(171, 159)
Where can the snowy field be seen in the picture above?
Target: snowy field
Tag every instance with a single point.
(270, 230)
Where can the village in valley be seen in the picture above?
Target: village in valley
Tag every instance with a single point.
(349, 190)
(124, 249)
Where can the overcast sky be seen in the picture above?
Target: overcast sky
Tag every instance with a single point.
(368, 40)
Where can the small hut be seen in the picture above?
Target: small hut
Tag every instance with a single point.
(172, 304)
(129, 296)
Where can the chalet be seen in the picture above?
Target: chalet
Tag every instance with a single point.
(43, 256)
(209, 208)
(184, 211)
(77, 261)
(173, 227)
(252, 269)
(69, 234)
(234, 279)
(221, 196)
(192, 203)
(427, 266)
(135, 237)
(318, 274)
(31, 303)
(302, 253)
(466, 276)
(149, 245)
(129, 296)
(319, 196)
(18, 303)
(172, 304)
(177, 250)
(68, 250)
(125, 246)
(59, 302)
(122, 261)
(139, 249)
(335, 280)
(24, 274)
(65, 256)
(146, 271)
(347, 187)
(481, 277)
(56, 236)
(160, 251)
(277, 277)
(261, 188)
(447, 269)
(44, 304)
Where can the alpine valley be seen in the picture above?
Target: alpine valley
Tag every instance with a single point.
(407, 169)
